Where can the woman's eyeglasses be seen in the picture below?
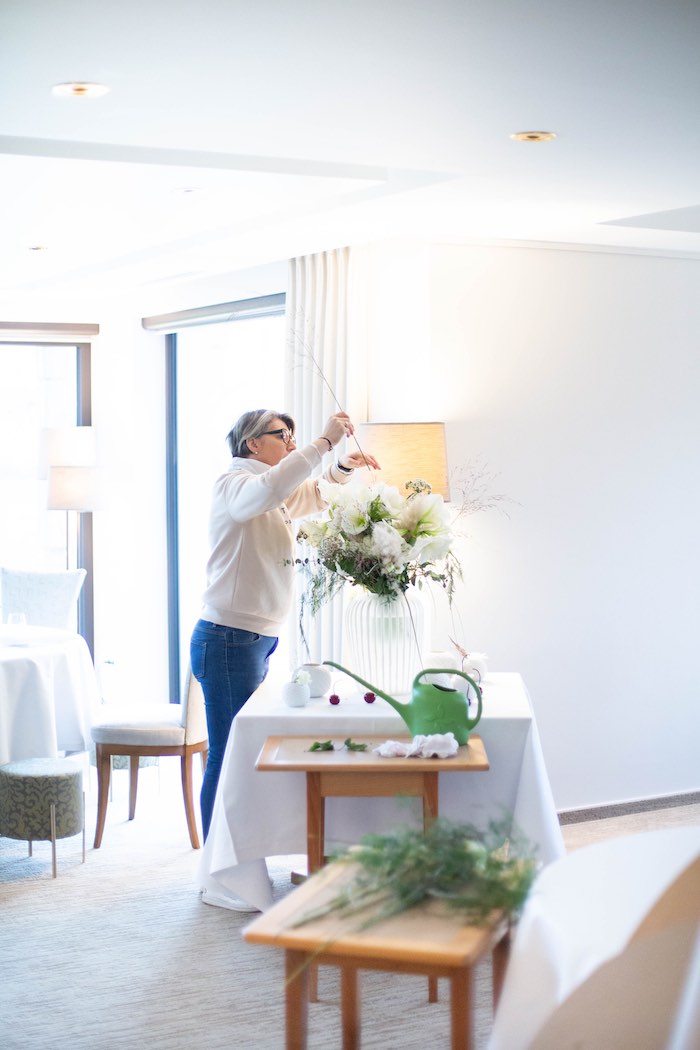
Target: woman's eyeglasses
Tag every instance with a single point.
(284, 435)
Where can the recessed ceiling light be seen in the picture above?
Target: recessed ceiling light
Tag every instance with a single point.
(79, 89)
(533, 136)
(38, 248)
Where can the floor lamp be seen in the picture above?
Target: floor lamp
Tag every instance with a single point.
(76, 491)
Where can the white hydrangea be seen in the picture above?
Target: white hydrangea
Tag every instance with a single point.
(388, 546)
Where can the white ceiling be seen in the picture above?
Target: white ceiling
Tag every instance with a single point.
(237, 132)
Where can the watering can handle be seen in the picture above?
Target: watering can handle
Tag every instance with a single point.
(445, 670)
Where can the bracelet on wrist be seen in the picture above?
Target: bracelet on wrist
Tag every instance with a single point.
(342, 469)
(330, 443)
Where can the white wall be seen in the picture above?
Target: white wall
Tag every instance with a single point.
(574, 376)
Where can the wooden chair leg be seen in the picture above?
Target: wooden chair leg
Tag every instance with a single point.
(500, 956)
(133, 784)
(186, 770)
(103, 761)
(296, 999)
(461, 1007)
(350, 1007)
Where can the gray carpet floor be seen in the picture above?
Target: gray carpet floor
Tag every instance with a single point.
(120, 952)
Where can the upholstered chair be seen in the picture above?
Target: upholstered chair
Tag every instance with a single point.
(157, 730)
(47, 599)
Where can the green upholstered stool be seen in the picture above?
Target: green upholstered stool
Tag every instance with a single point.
(42, 798)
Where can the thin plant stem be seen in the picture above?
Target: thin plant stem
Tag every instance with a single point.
(308, 352)
(413, 628)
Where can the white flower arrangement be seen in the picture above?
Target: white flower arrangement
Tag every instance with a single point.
(373, 537)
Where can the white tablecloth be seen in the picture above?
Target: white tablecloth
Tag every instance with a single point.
(48, 692)
(258, 815)
(581, 912)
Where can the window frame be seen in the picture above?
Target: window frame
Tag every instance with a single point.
(49, 335)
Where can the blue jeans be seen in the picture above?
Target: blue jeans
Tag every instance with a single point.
(230, 664)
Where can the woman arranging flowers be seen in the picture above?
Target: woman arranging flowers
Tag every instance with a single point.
(250, 573)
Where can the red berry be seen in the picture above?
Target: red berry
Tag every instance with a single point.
(334, 698)
(370, 698)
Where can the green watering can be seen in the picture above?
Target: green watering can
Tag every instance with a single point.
(432, 708)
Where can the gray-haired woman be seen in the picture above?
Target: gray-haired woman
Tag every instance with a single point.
(250, 571)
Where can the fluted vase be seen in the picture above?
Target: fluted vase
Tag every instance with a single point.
(384, 639)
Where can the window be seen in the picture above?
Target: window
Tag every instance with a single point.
(217, 372)
(42, 385)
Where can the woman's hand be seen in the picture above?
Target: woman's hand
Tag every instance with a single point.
(337, 427)
(357, 460)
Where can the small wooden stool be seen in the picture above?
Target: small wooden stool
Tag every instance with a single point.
(42, 799)
(425, 940)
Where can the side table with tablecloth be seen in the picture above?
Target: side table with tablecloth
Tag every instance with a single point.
(257, 815)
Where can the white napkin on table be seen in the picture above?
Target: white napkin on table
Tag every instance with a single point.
(437, 745)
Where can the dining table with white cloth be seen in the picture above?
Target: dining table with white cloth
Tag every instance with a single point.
(261, 814)
(49, 692)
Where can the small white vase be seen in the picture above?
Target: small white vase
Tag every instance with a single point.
(295, 694)
(475, 666)
(320, 678)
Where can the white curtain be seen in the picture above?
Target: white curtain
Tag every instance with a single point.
(316, 377)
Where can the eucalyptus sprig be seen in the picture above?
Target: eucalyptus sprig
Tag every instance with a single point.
(473, 872)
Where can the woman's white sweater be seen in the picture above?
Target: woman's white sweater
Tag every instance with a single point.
(250, 572)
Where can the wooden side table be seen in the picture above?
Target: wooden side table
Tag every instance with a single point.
(361, 774)
(426, 940)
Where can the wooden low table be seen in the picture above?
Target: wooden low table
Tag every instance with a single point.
(361, 774)
(426, 940)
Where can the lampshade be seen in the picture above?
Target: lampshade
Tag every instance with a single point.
(73, 488)
(67, 447)
(408, 451)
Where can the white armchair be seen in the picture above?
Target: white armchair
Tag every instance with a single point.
(47, 599)
(606, 955)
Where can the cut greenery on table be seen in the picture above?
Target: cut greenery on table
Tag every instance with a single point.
(328, 745)
(474, 873)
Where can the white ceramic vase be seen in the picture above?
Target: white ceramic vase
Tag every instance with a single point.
(319, 678)
(475, 666)
(450, 661)
(385, 639)
(295, 694)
